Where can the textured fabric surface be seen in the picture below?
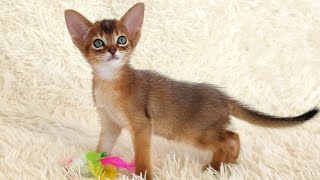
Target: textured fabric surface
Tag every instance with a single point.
(264, 53)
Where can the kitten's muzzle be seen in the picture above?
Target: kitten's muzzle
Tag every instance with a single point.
(113, 57)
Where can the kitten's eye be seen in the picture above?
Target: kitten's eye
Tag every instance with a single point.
(98, 43)
(122, 40)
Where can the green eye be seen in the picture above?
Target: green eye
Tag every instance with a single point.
(98, 43)
(122, 40)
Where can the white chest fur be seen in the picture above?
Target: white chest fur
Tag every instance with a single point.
(108, 107)
(109, 70)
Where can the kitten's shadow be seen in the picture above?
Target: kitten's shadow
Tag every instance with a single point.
(165, 154)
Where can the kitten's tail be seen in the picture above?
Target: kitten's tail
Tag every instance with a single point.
(258, 118)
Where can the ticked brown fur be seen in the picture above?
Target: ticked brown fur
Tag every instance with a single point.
(146, 102)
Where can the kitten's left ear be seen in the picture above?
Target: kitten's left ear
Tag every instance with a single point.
(77, 25)
(133, 20)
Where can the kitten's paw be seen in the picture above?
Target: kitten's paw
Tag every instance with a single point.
(215, 166)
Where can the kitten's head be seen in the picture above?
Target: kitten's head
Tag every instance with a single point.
(106, 44)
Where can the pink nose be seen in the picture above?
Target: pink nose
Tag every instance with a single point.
(112, 51)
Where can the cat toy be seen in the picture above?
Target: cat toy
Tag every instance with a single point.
(98, 165)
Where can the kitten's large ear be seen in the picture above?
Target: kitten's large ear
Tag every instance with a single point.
(133, 20)
(77, 25)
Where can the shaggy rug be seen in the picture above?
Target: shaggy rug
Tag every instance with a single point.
(264, 53)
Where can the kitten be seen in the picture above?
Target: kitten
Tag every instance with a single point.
(146, 102)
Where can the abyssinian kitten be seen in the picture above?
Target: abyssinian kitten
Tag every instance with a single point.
(146, 102)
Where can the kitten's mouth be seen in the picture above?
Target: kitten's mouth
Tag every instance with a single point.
(113, 58)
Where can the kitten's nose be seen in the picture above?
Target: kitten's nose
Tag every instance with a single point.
(112, 51)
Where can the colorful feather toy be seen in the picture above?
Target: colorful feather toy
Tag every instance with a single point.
(99, 165)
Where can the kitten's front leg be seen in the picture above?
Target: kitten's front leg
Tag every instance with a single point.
(142, 141)
(109, 134)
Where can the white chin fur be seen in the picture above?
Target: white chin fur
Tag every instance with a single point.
(108, 69)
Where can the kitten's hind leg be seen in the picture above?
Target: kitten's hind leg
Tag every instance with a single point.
(233, 147)
(219, 156)
(225, 150)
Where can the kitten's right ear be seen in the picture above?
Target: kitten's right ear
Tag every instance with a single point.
(77, 25)
(133, 20)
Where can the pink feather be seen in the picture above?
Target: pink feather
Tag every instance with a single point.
(118, 163)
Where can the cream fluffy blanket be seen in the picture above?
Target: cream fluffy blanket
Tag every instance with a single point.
(264, 53)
